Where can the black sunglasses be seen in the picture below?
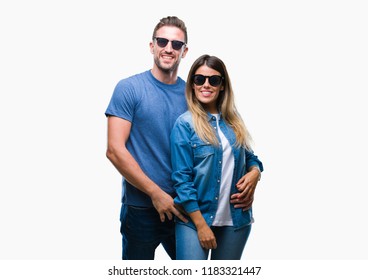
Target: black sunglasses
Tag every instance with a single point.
(162, 42)
(214, 80)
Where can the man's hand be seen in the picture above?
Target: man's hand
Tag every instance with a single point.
(164, 205)
(246, 187)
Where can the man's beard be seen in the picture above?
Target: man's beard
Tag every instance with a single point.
(166, 69)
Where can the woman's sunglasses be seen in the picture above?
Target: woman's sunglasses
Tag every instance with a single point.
(214, 80)
(162, 42)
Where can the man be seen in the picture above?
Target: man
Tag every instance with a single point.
(141, 114)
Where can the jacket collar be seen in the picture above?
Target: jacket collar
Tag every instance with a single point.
(209, 116)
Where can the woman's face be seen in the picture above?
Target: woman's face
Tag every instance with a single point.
(208, 92)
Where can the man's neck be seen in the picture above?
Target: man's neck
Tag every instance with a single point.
(165, 77)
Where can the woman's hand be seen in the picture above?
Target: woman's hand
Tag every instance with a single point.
(206, 237)
(205, 234)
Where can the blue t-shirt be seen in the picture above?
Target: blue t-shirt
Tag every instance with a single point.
(152, 107)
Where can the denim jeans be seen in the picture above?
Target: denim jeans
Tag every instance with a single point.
(230, 243)
(142, 232)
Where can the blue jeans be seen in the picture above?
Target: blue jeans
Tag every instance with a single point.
(142, 232)
(230, 243)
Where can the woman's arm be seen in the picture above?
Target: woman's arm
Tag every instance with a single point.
(205, 234)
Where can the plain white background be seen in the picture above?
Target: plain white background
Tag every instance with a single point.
(299, 71)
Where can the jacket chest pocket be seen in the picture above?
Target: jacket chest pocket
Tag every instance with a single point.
(202, 150)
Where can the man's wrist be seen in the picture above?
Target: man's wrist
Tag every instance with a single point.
(255, 167)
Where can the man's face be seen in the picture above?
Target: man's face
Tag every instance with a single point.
(168, 48)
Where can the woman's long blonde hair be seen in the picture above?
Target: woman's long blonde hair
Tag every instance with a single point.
(225, 105)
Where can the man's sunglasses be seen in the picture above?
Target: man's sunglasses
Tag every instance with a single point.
(162, 42)
(214, 80)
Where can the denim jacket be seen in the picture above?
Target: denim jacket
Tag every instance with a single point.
(197, 167)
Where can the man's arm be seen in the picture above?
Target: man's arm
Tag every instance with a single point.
(118, 131)
(246, 187)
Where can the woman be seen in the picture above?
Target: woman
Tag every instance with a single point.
(213, 164)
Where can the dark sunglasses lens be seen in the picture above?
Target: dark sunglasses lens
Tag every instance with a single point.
(199, 80)
(177, 45)
(215, 80)
(162, 42)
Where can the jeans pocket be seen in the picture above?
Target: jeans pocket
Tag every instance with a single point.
(139, 207)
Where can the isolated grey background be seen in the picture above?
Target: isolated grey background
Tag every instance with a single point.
(299, 71)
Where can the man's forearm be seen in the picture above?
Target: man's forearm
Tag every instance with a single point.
(131, 171)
